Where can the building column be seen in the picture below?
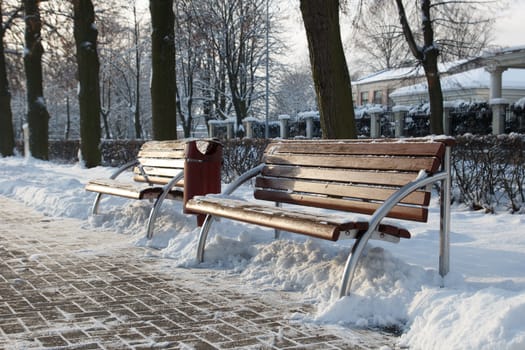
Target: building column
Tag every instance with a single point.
(309, 126)
(211, 128)
(499, 113)
(399, 118)
(497, 103)
(229, 129)
(284, 119)
(447, 107)
(248, 127)
(375, 122)
(496, 73)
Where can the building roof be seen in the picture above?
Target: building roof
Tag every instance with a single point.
(478, 78)
(405, 72)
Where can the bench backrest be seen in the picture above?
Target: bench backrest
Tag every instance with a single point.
(160, 161)
(349, 175)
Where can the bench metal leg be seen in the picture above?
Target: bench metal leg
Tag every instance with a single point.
(444, 227)
(277, 232)
(94, 207)
(203, 235)
(379, 214)
(158, 202)
(351, 264)
(154, 212)
(153, 215)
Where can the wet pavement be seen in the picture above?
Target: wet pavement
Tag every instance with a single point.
(67, 287)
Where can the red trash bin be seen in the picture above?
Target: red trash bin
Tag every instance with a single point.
(202, 171)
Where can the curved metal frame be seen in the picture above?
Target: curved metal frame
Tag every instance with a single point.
(203, 235)
(375, 220)
(94, 207)
(158, 202)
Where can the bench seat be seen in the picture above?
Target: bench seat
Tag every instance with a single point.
(338, 189)
(159, 171)
(319, 225)
(131, 190)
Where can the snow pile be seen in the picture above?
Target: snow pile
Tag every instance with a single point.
(481, 306)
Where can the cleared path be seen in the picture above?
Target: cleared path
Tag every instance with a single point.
(66, 287)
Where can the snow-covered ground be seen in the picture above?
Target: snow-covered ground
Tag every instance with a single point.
(482, 305)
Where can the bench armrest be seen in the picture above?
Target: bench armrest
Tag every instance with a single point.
(123, 168)
(243, 178)
(375, 220)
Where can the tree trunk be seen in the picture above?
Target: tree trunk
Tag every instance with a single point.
(163, 93)
(88, 70)
(68, 120)
(105, 96)
(7, 138)
(435, 94)
(37, 114)
(329, 68)
(427, 55)
(430, 64)
(138, 124)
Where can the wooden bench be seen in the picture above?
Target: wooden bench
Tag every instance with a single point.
(381, 178)
(158, 174)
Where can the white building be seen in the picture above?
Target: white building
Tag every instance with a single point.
(496, 77)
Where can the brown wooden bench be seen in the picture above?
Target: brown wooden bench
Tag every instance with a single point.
(380, 178)
(158, 174)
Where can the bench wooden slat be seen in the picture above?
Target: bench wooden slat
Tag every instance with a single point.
(158, 180)
(430, 164)
(398, 212)
(330, 174)
(163, 145)
(314, 225)
(128, 190)
(356, 147)
(336, 190)
(155, 153)
(160, 162)
(156, 171)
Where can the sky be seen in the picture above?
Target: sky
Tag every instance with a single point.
(510, 25)
(509, 28)
(480, 307)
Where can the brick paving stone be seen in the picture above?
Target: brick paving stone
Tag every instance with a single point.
(61, 288)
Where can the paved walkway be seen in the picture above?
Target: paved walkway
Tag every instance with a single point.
(60, 290)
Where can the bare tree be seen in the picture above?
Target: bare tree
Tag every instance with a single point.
(7, 139)
(377, 40)
(236, 56)
(190, 52)
(295, 91)
(121, 73)
(136, 41)
(163, 87)
(89, 92)
(37, 114)
(462, 29)
(329, 68)
(427, 54)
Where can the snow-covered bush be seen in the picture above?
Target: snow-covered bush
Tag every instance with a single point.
(489, 171)
(240, 155)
